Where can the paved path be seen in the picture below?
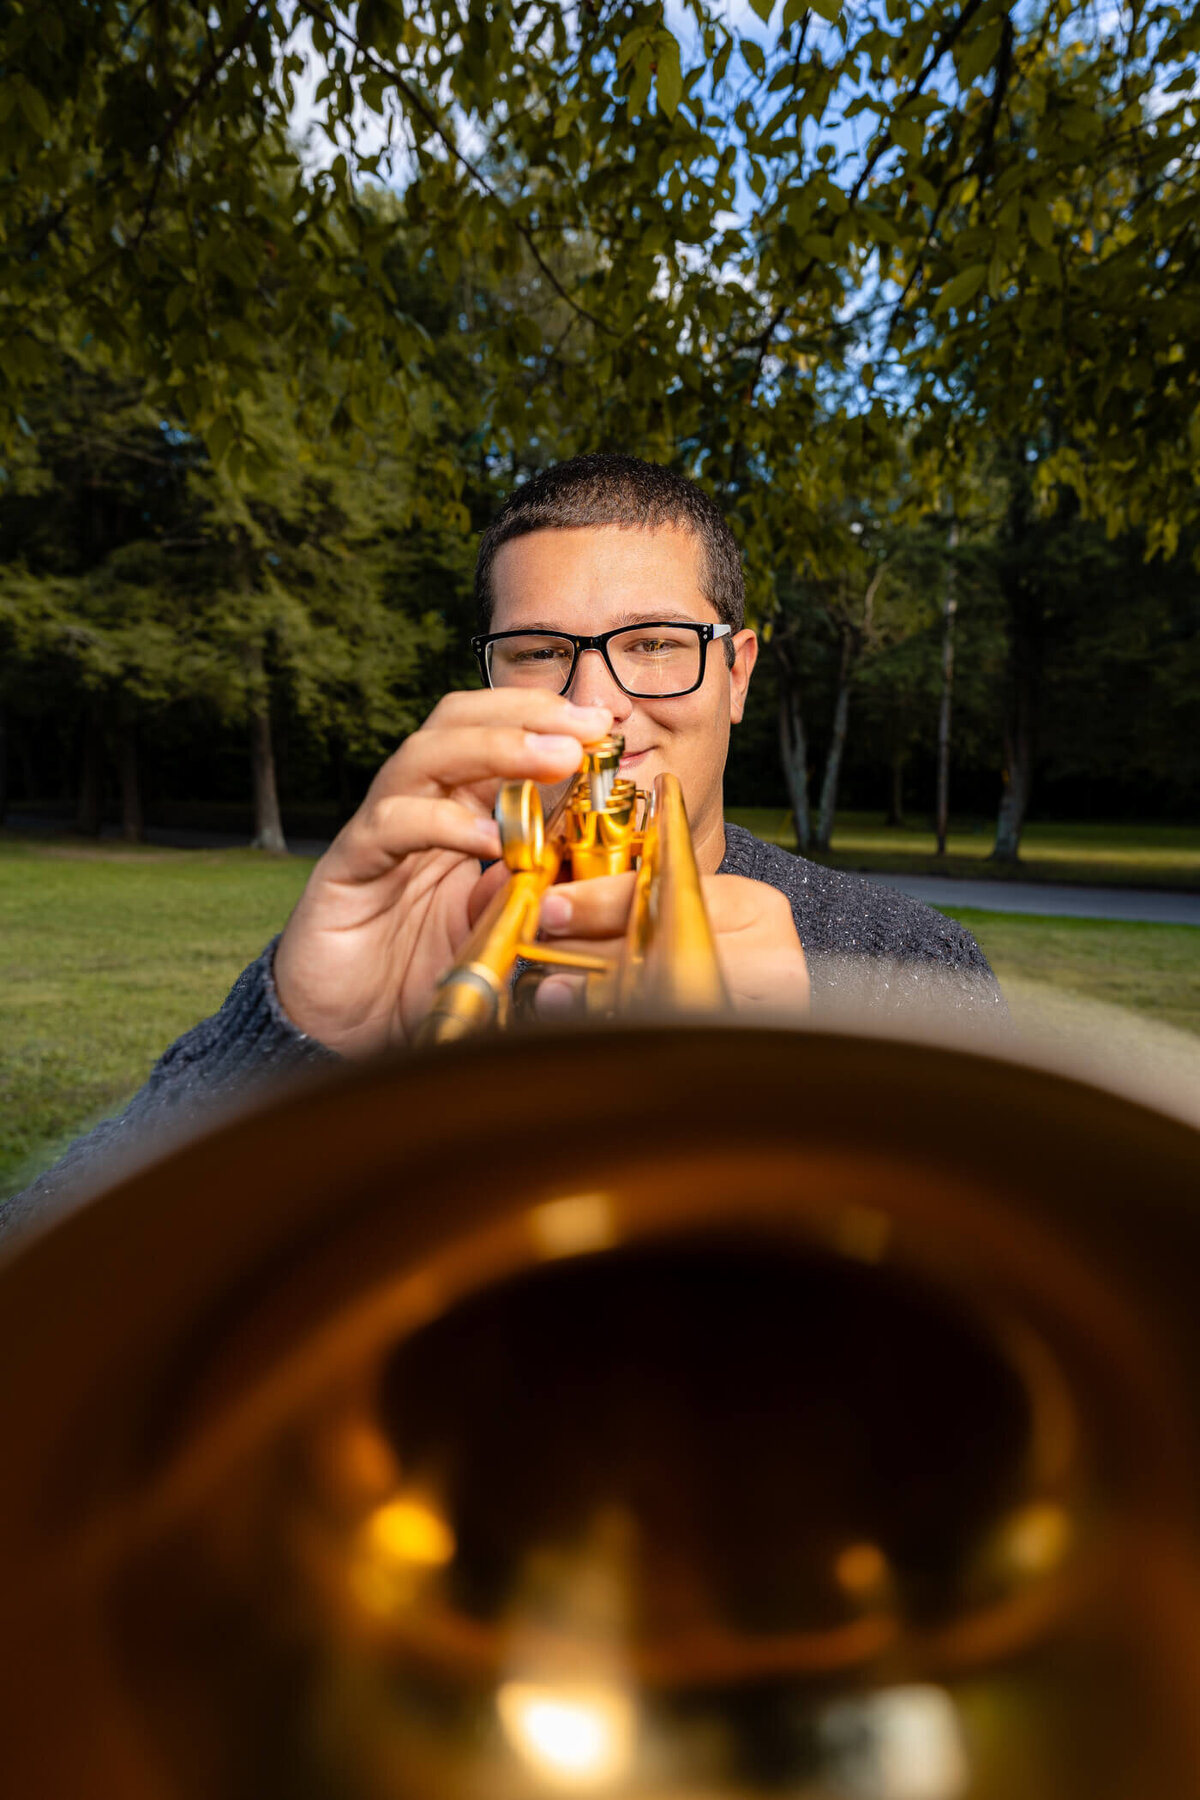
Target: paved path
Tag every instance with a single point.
(1051, 900)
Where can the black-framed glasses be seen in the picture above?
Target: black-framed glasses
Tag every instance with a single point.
(659, 660)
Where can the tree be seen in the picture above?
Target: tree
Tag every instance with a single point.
(134, 575)
(946, 706)
(1019, 209)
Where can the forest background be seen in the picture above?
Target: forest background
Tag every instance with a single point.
(294, 293)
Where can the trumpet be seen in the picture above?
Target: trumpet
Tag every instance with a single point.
(794, 1413)
(603, 825)
(377, 1446)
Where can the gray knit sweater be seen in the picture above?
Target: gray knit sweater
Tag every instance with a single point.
(866, 945)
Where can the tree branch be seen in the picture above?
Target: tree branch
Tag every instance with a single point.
(200, 86)
(945, 42)
(426, 112)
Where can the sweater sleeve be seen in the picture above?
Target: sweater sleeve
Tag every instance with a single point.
(871, 949)
(248, 1043)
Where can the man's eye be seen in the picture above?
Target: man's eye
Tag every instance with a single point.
(545, 654)
(655, 646)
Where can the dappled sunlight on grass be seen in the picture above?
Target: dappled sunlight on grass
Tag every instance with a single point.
(1123, 855)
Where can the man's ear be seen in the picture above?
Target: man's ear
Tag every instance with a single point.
(745, 655)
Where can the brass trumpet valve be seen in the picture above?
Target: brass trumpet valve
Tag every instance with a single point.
(601, 770)
(601, 831)
(604, 841)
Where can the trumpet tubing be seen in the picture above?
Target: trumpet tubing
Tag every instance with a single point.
(517, 1422)
(603, 826)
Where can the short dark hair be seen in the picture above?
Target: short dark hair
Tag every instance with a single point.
(617, 490)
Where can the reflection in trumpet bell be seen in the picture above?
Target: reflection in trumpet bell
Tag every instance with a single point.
(750, 1461)
(667, 1519)
(903, 1743)
(576, 1738)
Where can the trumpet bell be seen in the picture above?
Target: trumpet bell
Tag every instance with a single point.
(781, 1413)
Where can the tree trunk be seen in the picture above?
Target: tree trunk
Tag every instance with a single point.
(341, 775)
(833, 766)
(837, 743)
(949, 614)
(268, 824)
(131, 787)
(5, 768)
(896, 806)
(1026, 629)
(24, 754)
(91, 777)
(1014, 793)
(793, 754)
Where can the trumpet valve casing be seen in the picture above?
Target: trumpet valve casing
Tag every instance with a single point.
(601, 770)
(604, 840)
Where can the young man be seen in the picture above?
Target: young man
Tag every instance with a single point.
(611, 598)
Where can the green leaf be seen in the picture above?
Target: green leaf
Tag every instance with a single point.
(373, 90)
(177, 300)
(37, 113)
(752, 53)
(763, 8)
(980, 52)
(908, 133)
(668, 76)
(631, 43)
(830, 10)
(218, 439)
(965, 285)
(639, 87)
(1041, 225)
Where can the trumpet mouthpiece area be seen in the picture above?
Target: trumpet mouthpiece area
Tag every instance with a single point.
(601, 763)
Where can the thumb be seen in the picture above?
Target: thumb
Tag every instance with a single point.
(485, 889)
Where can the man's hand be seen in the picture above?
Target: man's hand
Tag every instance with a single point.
(759, 951)
(385, 909)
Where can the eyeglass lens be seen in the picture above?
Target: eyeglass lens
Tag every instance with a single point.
(649, 662)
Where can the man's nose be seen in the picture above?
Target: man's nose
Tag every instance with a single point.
(594, 685)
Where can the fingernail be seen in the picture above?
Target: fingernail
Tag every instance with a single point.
(488, 837)
(555, 995)
(549, 747)
(556, 912)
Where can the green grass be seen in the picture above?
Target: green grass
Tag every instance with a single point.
(1164, 856)
(1150, 970)
(107, 954)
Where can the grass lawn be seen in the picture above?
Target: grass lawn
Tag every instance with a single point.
(107, 954)
(1114, 855)
(1151, 970)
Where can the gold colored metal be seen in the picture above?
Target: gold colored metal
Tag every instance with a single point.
(565, 959)
(603, 826)
(373, 1447)
(522, 826)
(670, 962)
